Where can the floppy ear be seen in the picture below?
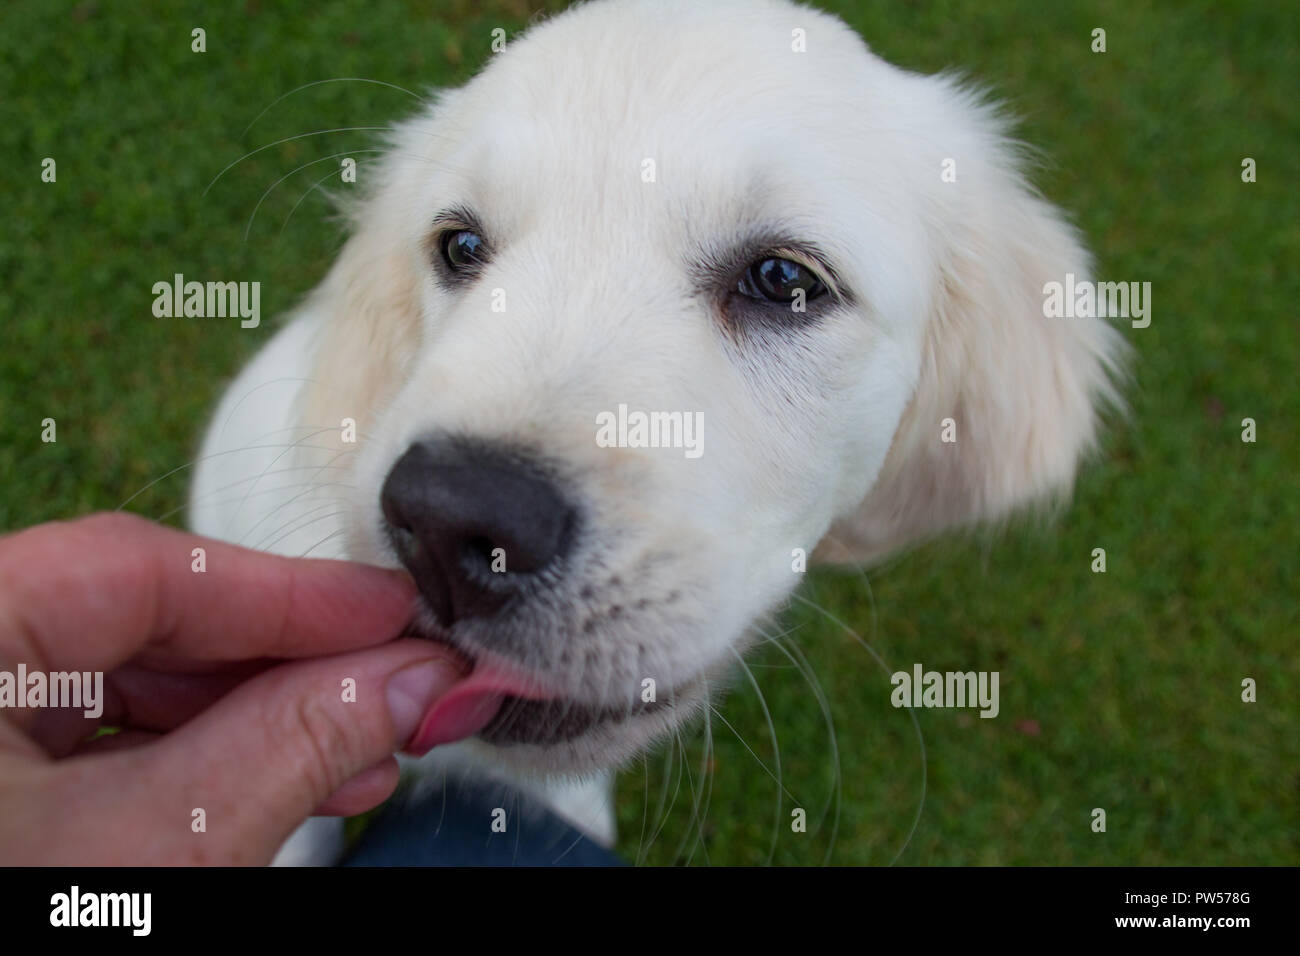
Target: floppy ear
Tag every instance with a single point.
(1023, 391)
(369, 308)
(369, 303)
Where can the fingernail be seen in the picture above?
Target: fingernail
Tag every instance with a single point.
(412, 691)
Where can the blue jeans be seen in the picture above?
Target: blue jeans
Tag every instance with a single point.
(459, 825)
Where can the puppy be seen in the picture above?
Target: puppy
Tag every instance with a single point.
(803, 267)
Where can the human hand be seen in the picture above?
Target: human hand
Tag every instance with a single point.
(229, 685)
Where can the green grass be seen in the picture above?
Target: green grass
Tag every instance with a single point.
(1119, 690)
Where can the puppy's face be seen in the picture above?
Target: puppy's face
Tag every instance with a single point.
(631, 213)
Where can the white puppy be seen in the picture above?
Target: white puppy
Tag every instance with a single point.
(729, 213)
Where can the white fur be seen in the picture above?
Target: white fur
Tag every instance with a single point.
(821, 435)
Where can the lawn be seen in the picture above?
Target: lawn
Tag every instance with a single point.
(1119, 690)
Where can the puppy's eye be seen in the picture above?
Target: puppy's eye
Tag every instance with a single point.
(463, 249)
(779, 280)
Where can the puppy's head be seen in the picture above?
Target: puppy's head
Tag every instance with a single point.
(732, 215)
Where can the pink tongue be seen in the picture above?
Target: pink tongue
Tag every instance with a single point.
(471, 704)
(462, 712)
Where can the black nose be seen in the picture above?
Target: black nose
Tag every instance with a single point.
(472, 523)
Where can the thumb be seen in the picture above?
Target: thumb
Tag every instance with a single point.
(259, 761)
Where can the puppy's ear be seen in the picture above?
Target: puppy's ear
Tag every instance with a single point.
(370, 329)
(369, 303)
(1017, 395)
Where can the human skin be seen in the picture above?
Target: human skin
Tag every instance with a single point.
(229, 685)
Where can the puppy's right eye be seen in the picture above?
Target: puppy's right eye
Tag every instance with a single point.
(780, 280)
(463, 250)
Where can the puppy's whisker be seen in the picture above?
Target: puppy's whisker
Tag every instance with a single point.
(305, 524)
(210, 502)
(324, 159)
(701, 798)
(291, 448)
(709, 763)
(776, 752)
(645, 805)
(278, 381)
(324, 540)
(311, 189)
(866, 584)
(835, 798)
(665, 805)
(772, 638)
(290, 139)
(340, 500)
(911, 712)
(208, 496)
(332, 501)
(204, 458)
(684, 764)
(337, 79)
(362, 435)
(664, 772)
(759, 760)
(313, 485)
(678, 755)
(680, 770)
(286, 528)
(695, 797)
(576, 840)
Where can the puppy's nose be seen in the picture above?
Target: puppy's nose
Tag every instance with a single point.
(472, 523)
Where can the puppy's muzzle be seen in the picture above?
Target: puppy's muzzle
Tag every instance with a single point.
(475, 524)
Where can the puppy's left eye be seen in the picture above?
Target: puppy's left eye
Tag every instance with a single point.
(779, 280)
(463, 249)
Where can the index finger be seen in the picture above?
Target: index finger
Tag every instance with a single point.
(92, 593)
